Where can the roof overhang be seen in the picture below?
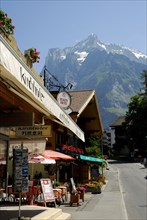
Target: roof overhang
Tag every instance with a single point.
(21, 78)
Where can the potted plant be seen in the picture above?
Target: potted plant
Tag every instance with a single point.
(32, 54)
(81, 189)
(102, 179)
(75, 197)
(6, 23)
(94, 187)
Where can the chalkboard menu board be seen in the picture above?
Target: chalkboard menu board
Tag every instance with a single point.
(20, 170)
(47, 190)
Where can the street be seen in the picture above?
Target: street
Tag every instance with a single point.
(127, 179)
(134, 189)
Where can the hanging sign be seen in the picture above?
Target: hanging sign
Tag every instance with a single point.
(64, 99)
(47, 190)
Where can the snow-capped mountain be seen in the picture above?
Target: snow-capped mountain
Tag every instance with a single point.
(82, 49)
(93, 42)
(114, 71)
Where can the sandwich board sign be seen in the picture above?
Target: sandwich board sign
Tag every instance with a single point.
(47, 191)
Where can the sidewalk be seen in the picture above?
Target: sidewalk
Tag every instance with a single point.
(109, 205)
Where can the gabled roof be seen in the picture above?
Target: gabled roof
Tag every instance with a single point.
(84, 105)
(80, 99)
(118, 121)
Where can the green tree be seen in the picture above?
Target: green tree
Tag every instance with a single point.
(136, 122)
(93, 147)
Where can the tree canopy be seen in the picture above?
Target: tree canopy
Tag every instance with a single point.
(94, 146)
(136, 118)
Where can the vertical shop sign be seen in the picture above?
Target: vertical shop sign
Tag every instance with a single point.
(20, 170)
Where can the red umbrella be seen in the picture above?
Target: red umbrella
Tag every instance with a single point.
(56, 155)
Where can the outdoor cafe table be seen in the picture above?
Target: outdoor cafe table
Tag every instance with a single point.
(63, 192)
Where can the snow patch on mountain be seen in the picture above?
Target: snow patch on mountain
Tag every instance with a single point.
(139, 55)
(81, 56)
(117, 51)
(102, 45)
(63, 57)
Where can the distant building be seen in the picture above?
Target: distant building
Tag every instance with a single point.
(120, 147)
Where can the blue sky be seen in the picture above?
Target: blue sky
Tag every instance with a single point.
(58, 24)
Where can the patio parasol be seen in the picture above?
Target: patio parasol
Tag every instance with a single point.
(36, 158)
(33, 158)
(56, 155)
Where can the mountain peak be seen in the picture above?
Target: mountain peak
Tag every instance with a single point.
(93, 38)
(90, 42)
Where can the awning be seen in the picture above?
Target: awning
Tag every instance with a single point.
(32, 89)
(92, 159)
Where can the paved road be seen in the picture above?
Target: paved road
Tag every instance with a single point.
(134, 186)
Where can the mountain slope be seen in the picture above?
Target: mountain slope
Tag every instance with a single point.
(112, 70)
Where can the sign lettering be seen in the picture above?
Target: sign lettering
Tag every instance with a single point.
(30, 83)
(37, 131)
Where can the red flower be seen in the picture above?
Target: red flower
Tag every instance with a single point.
(2, 23)
(34, 55)
(82, 188)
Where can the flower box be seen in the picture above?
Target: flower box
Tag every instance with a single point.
(6, 23)
(93, 190)
(75, 198)
(32, 54)
(96, 190)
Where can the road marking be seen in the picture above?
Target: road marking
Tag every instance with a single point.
(123, 202)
